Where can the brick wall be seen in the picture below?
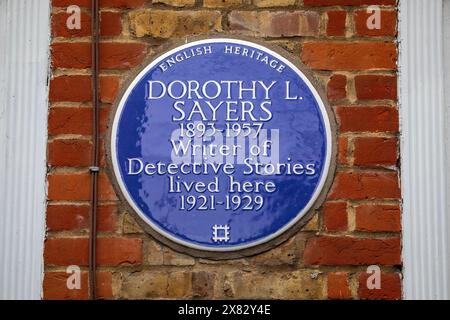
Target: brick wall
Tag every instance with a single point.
(358, 225)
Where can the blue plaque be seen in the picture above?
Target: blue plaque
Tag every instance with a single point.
(221, 145)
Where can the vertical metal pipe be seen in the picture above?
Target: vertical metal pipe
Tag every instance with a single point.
(95, 157)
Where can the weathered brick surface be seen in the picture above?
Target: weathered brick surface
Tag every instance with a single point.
(376, 87)
(103, 3)
(111, 251)
(112, 55)
(275, 285)
(76, 153)
(336, 22)
(388, 25)
(286, 254)
(390, 287)
(375, 151)
(156, 255)
(59, 27)
(76, 187)
(76, 88)
(167, 24)
(55, 286)
(320, 3)
(274, 23)
(272, 3)
(116, 251)
(352, 56)
(378, 218)
(66, 251)
(176, 3)
(122, 3)
(74, 120)
(222, 3)
(76, 217)
(110, 25)
(157, 284)
(338, 286)
(343, 150)
(362, 186)
(358, 225)
(109, 87)
(75, 55)
(337, 87)
(352, 251)
(367, 119)
(335, 216)
(66, 3)
(203, 284)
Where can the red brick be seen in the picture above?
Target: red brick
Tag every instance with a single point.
(322, 3)
(103, 3)
(364, 185)
(375, 151)
(342, 150)
(70, 121)
(115, 55)
(350, 56)
(76, 217)
(367, 119)
(111, 251)
(59, 25)
(376, 87)
(337, 286)
(67, 217)
(109, 87)
(71, 88)
(378, 218)
(391, 287)
(66, 3)
(335, 216)
(336, 23)
(77, 187)
(74, 120)
(55, 286)
(352, 251)
(76, 153)
(118, 250)
(107, 218)
(71, 55)
(105, 188)
(122, 3)
(66, 251)
(388, 23)
(112, 55)
(110, 25)
(337, 87)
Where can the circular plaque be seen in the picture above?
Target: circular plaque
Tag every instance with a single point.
(221, 145)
